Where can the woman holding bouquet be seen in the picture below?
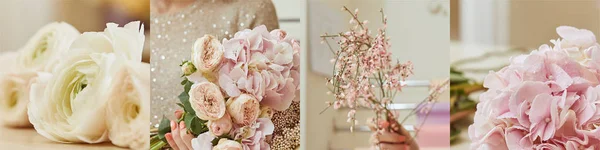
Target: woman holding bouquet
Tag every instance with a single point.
(176, 24)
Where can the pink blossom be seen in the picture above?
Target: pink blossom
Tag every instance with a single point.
(547, 99)
(203, 141)
(262, 64)
(220, 126)
(257, 141)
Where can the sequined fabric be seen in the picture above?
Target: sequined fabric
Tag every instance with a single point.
(172, 36)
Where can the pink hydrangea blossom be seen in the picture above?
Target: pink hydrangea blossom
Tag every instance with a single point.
(548, 99)
(263, 64)
(264, 127)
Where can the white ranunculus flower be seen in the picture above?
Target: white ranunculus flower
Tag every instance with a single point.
(127, 41)
(128, 109)
(14, 91)
(42, 49)
(69, 104)
(9, 61)
(14, 96)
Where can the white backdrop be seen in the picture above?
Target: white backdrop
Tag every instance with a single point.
(20, 19)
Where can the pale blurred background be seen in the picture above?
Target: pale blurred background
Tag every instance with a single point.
(22, 18)
(484, 26)
(486, 33)
(420, 33)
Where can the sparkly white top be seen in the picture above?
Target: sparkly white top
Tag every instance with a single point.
(173, 34)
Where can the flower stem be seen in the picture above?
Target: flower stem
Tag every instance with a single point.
(158, 145)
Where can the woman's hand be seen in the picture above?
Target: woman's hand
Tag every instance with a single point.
(385, 139)
(179, 138)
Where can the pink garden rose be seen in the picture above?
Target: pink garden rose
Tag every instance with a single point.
(220, 126)
(207, 54)
(262, 64)
(548, 99)
(244, 109)
(207, 101)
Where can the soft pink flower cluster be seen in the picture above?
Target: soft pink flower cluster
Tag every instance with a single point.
(238, 81)
(548, 99)
(364, 74)
(263, 64)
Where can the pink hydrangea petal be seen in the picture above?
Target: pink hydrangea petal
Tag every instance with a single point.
(228, 86)
(226, 67)
(523, 117)
(258, 86)
(237, 72)
(296, 76)
(241, 82)
(562, 79)
(256, 41)
(282, 99)
(493, 81)
(494, 139)
(515, 139)
(582, 37)
(540, 108)
(276, 67)
(196, 77)
(259, 60)
(233, 49)
(284, 54)
(266, 126)
(526, 92)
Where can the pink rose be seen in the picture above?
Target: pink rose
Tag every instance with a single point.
(220, 126)
(207, 53)
(207, 101)
(244, 109)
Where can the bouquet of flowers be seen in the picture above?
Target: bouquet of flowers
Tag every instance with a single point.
(365, 76)
(548, 99)
(233, 87)
(80, 88)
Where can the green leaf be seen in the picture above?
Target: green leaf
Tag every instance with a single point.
(184, 81)
(184, 98)
(216, 140)
(163, 128)
(194, 124)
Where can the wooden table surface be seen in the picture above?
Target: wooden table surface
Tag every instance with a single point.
(28, 138)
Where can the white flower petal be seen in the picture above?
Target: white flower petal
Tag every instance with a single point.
(14, 96)
(44, 47)
(129, 107)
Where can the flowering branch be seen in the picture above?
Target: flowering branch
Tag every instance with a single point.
(364, 75)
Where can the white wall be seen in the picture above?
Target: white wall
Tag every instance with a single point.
(21, 19)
